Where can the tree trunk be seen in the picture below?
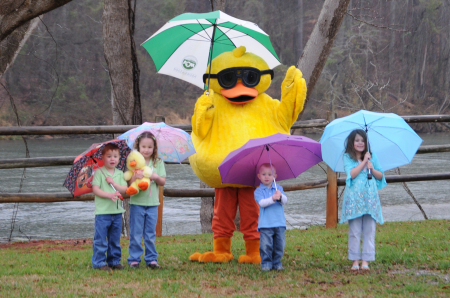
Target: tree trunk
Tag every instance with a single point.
(318, 47)
(220, 5)
(206, 211)
(120, 55)
(12, 45)
(300, 27)
(207, 204)
(14, 14)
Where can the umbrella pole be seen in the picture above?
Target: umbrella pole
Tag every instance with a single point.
(270, 161)
(210, 56)
(369, 173)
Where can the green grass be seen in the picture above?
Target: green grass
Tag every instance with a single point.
(413, 259)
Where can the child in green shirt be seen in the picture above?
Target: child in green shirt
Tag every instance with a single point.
(108, 215)
(144, 205)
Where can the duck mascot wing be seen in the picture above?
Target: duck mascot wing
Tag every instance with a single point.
(235, 111)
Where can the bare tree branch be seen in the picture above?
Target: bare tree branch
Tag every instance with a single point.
(373, 25)
(14, 14)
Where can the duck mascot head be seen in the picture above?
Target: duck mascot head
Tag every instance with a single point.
(235, 110)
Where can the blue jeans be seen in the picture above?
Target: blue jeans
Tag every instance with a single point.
(108, 228)
(367, 226)
(271, 247)
(143, 224)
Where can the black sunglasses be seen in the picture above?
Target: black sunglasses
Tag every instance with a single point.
(228, 77)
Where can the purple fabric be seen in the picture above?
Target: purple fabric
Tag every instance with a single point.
(291, 155)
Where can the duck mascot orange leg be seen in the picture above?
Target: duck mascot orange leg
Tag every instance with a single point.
(235, 111)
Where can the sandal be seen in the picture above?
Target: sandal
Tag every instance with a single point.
(365, 267)
(355, 268)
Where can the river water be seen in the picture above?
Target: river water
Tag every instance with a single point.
(182, 215)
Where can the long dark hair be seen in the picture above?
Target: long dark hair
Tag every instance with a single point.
(148, 135)
(349, 143)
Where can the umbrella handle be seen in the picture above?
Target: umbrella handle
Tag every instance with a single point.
(369, 174)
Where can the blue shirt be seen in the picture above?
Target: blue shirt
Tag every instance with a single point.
(271, 216)
(361, 194)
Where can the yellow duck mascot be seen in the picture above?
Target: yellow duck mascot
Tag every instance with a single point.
(235, 111)
(135, 162)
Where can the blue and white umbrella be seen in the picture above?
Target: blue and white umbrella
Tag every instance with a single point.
(393, 141)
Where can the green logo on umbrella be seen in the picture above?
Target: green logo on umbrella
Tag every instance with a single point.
(189, 62)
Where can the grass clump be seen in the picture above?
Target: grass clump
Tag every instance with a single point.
(412, 258)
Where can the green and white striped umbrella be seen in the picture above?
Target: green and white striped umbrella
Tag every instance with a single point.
(186, 44)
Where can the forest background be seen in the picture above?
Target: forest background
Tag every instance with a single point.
(389, 56)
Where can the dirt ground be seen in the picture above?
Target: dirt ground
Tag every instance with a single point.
(49, 245)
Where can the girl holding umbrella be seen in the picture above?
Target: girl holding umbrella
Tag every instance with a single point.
(361, 205)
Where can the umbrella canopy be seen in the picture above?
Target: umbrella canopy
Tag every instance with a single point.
(186, 44)
(291, 156)
(79, 179)
(174, 145)
(394, 142)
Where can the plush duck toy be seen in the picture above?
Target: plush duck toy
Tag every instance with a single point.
(135, 162)
(236, 110)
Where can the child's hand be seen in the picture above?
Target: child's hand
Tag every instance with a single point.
(139, 174)
(369, 165)
(276, 196)
(114, 196)
(366, 157)
(154, 176)
(109, 180)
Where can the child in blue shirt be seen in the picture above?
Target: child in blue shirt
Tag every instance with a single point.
(271, 222)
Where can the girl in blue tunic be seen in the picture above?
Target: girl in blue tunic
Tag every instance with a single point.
(361, 205)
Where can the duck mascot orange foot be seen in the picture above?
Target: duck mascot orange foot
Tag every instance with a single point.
(235, 111)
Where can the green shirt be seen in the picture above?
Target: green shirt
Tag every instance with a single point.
(103, 205)
(150, 197)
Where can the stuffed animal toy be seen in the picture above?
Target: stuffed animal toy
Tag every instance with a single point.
(135, 162)
(236, 110)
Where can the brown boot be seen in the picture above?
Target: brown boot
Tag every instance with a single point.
(252, 252)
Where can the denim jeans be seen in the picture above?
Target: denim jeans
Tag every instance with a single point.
(271, 247)
(108, 228)
(367, 226)
(143, 224)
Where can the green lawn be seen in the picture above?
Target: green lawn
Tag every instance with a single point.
(413, 259)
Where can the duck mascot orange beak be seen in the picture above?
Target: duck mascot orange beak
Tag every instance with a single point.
(239, 94)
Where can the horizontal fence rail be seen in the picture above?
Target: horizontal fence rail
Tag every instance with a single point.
(68, 160)
(110, 129)
(116, 129)
(202, 192)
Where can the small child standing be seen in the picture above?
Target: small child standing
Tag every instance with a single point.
(361, 205)
(271, 222)
(108, 216)
(144, 205)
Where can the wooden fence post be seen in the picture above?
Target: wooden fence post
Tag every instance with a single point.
(331, 221)
(160, 212)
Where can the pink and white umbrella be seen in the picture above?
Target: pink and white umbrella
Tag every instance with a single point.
(174, 144)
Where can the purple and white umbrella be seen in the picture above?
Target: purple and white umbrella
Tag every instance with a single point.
(291, 156)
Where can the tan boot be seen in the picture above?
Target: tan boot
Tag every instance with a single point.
(221, 254)
(252, 252)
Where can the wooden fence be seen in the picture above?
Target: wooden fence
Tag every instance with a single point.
(332, 182)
